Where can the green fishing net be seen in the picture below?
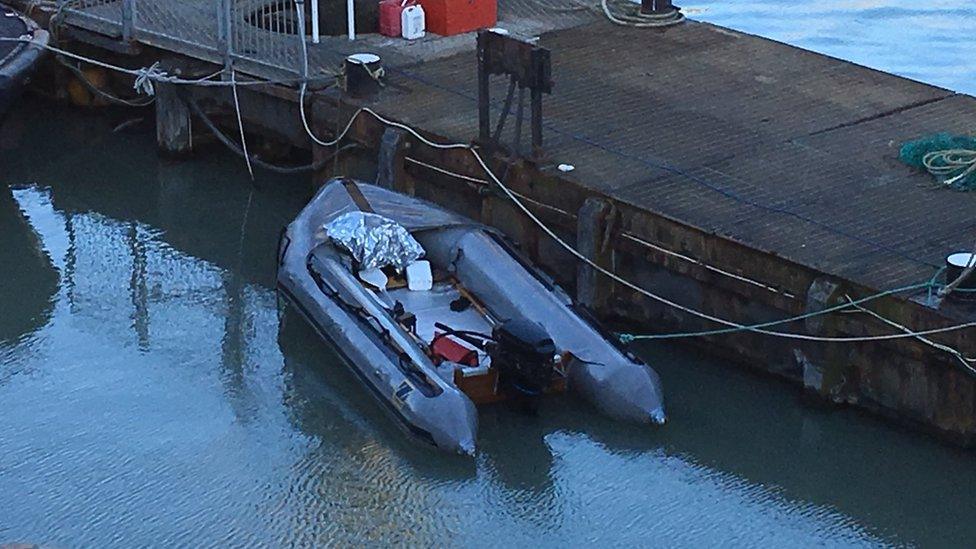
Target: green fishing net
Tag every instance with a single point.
(951, 159)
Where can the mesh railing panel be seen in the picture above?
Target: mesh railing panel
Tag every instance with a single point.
(103, 16)
(167, 23)
(260, 36)
(266, 33)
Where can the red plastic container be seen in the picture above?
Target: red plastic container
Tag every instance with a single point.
(443, 347)
(390, 11)
(447, 17)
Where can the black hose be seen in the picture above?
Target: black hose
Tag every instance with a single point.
(465, 335)
(505, 110)
(230, 144)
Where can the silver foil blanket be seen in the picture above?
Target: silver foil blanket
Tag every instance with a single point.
(374, 241)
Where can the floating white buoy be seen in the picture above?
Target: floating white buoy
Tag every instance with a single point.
(565, 168)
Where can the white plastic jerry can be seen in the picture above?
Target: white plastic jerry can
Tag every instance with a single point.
(413, 23)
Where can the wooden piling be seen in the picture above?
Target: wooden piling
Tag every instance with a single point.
(174, 132)
(594, 224)
(390, 172)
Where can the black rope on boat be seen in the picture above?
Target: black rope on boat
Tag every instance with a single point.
(408, 365)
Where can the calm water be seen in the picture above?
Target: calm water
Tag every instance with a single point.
(931, 41)
(151, 396)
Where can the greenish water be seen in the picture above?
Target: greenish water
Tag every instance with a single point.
(151, 397)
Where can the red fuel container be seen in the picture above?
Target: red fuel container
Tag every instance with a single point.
(390, 11)
(447, 17)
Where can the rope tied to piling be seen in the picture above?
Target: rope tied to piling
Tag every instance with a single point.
(145, 77)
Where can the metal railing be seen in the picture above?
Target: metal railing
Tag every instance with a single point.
(265, 32)
(255, 36)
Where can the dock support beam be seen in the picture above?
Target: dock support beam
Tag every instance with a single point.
(128, 20)
(594, 226)
(174, 135)
(390, 172)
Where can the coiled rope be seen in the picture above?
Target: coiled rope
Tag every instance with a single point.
(949, 158)
(950, 166)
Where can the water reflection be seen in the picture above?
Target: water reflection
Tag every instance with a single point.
(28, 277)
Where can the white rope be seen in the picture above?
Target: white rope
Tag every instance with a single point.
(950, 165)
(111, 98)
(966, 272)
(964, 360)
(144, 79)
(613, 276)
(240, 124)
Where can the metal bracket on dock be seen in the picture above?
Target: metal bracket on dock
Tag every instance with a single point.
(528, 65)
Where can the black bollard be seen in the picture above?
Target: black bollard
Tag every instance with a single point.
(956, 265)
(363, 73)
(655, 7)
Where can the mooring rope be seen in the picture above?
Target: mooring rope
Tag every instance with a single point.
(240, 124)
(963, 359)
(114, 99)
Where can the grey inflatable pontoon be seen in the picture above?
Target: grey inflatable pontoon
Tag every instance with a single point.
(17, 59)
(489, 327)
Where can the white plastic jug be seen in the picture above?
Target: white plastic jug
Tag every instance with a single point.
(413, 22)
(419, 277)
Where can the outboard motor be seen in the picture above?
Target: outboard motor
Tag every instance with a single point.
(524, 355)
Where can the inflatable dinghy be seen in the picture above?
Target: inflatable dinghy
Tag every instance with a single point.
(17, 58)
(436, 313)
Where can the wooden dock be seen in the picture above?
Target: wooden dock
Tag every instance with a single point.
(736, 175)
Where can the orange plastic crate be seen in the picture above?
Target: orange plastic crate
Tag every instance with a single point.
(447, 17)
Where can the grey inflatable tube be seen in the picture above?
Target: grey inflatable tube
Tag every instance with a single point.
(617, 383)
